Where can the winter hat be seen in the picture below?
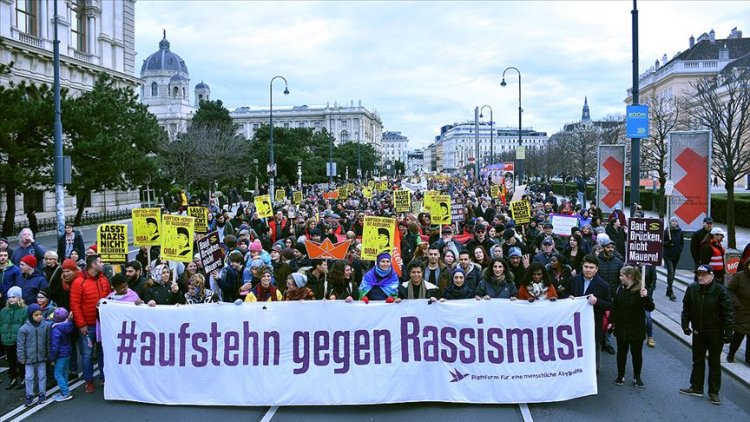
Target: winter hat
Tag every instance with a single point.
(69, 264)
(277, 248)
(508, 234)
(382, 255)
(301, 248)
(256, 246)
(15, 291)
(94, 248)
(60, 315)
(256, 263)
(4, 239)
(287, 253)
(674, 219)
(29, 260)
(299, 279)
(33, 308)
(514, 251)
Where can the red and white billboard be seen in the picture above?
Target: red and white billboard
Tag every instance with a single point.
(610, 178)
(689, 169)
(500, 172)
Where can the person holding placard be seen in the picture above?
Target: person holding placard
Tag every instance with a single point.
(629, 307)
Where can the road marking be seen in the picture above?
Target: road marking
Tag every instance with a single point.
(269, 415)
(37, 407)
(525, 412)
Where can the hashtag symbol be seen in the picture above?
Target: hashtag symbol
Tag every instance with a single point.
(127, 338)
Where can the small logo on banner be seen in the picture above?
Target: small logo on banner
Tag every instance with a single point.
(457, 376)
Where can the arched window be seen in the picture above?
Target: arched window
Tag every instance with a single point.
(175, 92)
(344, 136)
(184, 95)
(154, 89)
(200, 98)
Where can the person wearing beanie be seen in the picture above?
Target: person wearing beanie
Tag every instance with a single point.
(296, 288)
(12, 317)
(264, 291)
(46, 304)
(5, 246)
(458, 289)
(381, 282)
(33, 351)
(32, 278)
(10, 276)
(60, 350)
(300, 259)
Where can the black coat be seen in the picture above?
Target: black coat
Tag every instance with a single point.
(77, 244)
(673, 243)
(708, 309)
(628, 314)
(600, 289)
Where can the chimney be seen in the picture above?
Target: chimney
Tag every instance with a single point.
(712, 36)
(656, 65)
(735, 34)
(664, 59)
(692, 41)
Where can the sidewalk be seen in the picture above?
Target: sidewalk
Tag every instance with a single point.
(668, 316)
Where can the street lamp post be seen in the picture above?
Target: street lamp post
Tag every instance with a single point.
(255, 161)
(271, 164)
(299, 175)
(359, 159)
(519, 170)
(492, 134)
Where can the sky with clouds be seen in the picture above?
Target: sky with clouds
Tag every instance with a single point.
(422, 65)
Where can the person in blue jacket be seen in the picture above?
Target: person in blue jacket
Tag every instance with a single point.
(32, 279)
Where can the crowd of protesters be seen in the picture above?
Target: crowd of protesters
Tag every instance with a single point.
(482, 255)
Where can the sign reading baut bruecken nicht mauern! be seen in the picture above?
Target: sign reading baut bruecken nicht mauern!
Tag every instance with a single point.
(645, 243)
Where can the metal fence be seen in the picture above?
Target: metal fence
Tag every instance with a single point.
(88, 218)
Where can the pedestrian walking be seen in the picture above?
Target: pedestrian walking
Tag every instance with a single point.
(673, 245)
(707, 314)
(739, 289)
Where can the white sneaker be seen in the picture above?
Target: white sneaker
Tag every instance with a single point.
(60, 397)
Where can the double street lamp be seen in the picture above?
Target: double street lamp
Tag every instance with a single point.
(271, 164)
(519, 151)
(492, 133)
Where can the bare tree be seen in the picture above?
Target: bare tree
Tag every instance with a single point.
(665, 115)
(722, 104)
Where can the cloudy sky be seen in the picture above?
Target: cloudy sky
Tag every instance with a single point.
(424, 64)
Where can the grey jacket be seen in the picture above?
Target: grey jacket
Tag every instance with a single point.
(33, 342)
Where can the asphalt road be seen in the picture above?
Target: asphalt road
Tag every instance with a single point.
(666, 369)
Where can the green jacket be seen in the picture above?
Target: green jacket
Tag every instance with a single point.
(12, 317)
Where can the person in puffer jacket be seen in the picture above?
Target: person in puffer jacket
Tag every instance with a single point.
(60, 350)
(33, 350)
(85, 292)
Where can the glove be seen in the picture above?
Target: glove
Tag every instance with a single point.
(687, 331)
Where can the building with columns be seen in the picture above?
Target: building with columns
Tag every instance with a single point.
(352, 123)
(95, 36)
(457, 147)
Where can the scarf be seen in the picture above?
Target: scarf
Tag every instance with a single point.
(387, 282)
(301, 293)
(455, 292)
(410, 290)
(265, 294)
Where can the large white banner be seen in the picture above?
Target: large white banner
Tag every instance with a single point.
(332, 352)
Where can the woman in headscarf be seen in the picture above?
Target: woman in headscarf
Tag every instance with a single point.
(296, 289)
(381, 282)
(458, 289)
(264, 291)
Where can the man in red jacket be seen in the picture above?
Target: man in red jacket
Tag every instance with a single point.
(85, 292)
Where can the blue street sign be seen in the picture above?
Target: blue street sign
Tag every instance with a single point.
(636, 121)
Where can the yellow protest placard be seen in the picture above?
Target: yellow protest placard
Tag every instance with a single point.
(367, 192)
(112, 242)
(495, 191)
(201, 218)
(350, 188)
(342, 192)
(297, 197)
(146, 226)
(440, 209)
(416, 207)
(377, 236)
(402, 200)
(383, 186)
(178, 237)
(263, 206)
(371, 184)
(280, 195)
(521, 211)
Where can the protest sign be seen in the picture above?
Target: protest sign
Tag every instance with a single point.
(280, 195)
(343, 192)
(510, 352)
(112, 242)
(331, 194)
(177, 241)
(383, 186)
(146, 226)
(297, 197)
(211, 252)
(457, 210)
(561, 224)
(521, 212)
(201, 218)
(367, 193)
(263, 206)
(440, 209)
(518, 193)
(644, 245)
(377, 236)
(495, 191)
(402, 200)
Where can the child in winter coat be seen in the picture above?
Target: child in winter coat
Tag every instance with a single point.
(60, 350)
(33, 350)
(12, 318)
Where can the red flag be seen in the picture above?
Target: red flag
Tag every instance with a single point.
(397, 261)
